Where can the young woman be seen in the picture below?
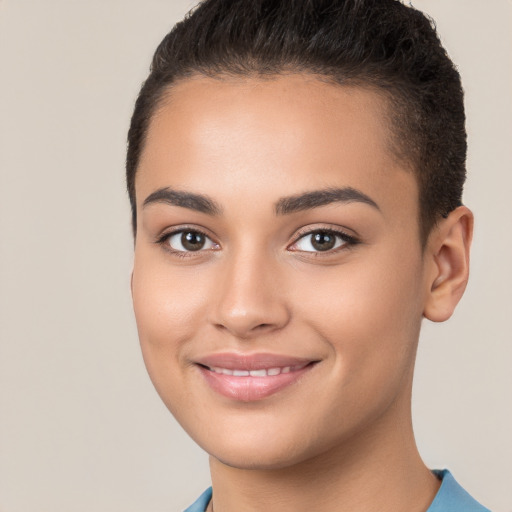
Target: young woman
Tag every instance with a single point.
(295, 171)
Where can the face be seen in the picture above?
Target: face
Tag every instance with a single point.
(278, 281)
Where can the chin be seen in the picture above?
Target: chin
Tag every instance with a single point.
(258, 451)
(255, 460)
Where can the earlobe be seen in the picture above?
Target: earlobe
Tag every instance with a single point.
(448, 255)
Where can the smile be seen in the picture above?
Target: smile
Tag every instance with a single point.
(249, 378)
(263, 372)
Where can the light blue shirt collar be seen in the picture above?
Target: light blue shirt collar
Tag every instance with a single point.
(451, 497)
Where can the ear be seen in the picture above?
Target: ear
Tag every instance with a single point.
(447, 253)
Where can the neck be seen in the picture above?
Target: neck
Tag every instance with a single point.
(377, 470)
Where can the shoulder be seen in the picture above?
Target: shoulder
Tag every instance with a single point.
(201, 503)
(451, 497)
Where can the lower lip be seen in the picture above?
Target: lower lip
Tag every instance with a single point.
(249, 389)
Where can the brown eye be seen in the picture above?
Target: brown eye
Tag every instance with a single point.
(192, 240)
(323, 241)
(189, 241)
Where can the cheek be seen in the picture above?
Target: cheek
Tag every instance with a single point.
(369, 313)
(169, 307)
(165, 303)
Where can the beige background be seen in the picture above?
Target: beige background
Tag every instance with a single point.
(81, 428)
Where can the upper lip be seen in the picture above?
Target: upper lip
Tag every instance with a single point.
(258, 361)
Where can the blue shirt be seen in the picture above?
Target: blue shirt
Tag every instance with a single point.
(451, 497)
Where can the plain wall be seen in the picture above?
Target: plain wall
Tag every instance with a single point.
(81, 428)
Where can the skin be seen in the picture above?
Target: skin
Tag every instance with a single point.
(340, 438)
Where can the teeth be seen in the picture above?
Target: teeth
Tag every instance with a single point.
(256, 373)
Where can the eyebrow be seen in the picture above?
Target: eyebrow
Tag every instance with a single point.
(188, 200)
(284, 206)
(317, 198)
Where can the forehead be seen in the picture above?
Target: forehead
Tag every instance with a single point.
(285, 134)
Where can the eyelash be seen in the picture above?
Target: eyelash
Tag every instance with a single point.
(347, 241)
(164, 239)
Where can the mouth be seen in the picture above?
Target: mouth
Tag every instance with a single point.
(249, 378)
(262, 372)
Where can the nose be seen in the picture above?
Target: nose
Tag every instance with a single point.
(251, 299)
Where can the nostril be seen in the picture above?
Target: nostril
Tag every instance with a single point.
(262, 327)
(246, 331)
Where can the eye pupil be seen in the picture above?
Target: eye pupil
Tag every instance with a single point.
(192, 241)
(323, 241)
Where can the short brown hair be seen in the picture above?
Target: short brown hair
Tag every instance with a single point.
(382, 44)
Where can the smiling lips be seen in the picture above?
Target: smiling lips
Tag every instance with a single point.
(251, 377)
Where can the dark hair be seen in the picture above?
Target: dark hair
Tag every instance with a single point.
(381, 44)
